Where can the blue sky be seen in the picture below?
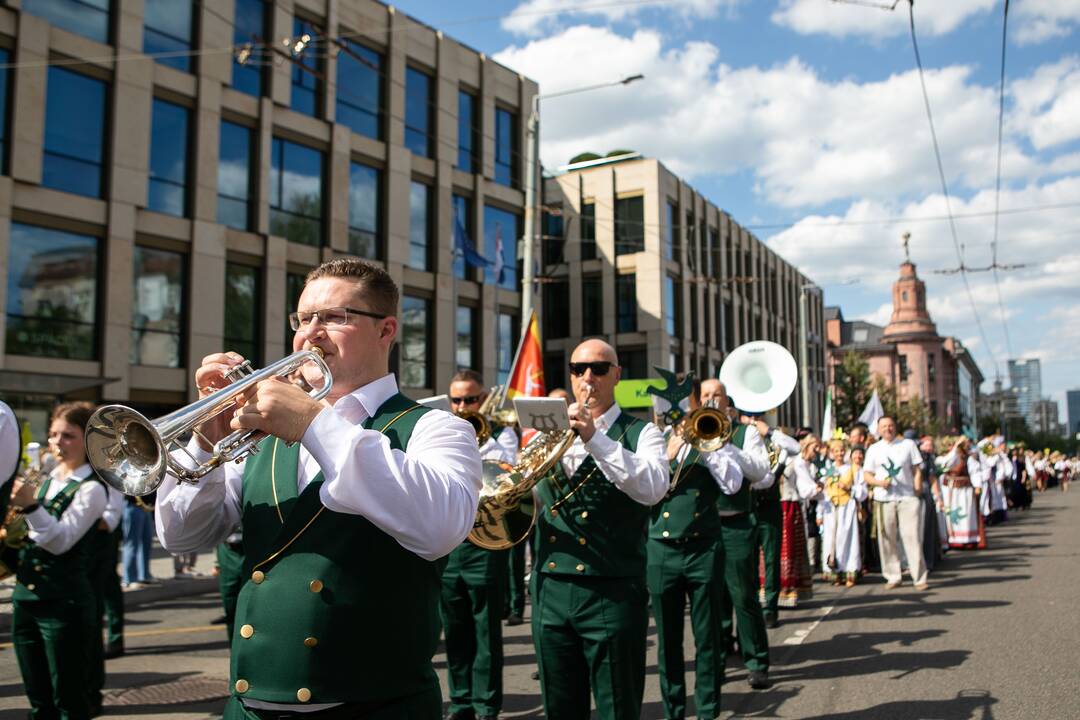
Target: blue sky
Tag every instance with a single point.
(810, 112)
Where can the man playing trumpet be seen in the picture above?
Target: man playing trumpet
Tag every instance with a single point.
(589, 617)
(345, 511)
(472, 585)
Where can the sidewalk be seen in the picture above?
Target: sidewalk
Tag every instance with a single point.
(165, 586)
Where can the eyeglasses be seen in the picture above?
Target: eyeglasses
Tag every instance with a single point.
(467, 400)
(599, 368)
(330, 317)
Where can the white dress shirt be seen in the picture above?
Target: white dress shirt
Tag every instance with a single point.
(722, 465)
(425, 497)
(503, 448)
(753, 460)
(58, 535)
(10, 442)
(643, 475)
(114, 508)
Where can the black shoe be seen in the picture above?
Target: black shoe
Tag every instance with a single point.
(515, 619)
(114, 650)
(535, 675)
(467, 714)
(758, 679)
(771, 620)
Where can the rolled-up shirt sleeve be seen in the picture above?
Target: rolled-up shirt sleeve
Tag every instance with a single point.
(58, 535)
(724, 467)
(194, 517)
(424, 497)
(786, 442)
(644, 475)
(753, 459)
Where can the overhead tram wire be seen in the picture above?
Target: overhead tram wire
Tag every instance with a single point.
(945, 191)
(997, 184)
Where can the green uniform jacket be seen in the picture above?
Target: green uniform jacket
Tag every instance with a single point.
(690, 510)
(599, 530)
(335, 610)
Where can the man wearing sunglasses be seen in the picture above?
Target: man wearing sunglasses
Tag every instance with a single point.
(738, 540)
(473, 586)
(346, 511)
(589, 617)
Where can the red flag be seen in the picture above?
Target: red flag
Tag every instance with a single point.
(527, 375)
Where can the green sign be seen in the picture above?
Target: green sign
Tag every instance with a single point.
(633, 395)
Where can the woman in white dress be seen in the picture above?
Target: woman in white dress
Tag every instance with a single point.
(963, 480)
(841, 492)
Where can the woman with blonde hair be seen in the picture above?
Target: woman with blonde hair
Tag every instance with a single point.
(842, 491)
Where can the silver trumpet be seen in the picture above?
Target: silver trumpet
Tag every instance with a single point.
(133, 454)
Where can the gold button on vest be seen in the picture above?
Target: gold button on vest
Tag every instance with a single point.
(303, 694)
(242, 686)
(554, 513)
(31, 587)
(315, 586)
(246, 631)
(667, 514)
(38, 568)
(551, 538)
(311, 642)
(580, 568)
(584, 514)
(697, 515)
(551, 565)
(665, 533)
(258, 576)
(581, 541)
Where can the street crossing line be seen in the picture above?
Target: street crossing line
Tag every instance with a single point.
(802, 634)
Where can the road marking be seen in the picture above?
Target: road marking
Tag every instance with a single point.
(148, 633)
(802, 634)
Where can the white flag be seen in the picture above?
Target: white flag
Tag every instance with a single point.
(828, 425)
(872, 413)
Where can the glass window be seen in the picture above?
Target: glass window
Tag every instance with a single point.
(555, 370)
(419, 226)
(89, 18)
(462, 207)
(157, 308)
(468, 127)
(249, 26)
(629, 225)
(634, 362)
(5, 86)
(713, 267)
(506, 327)
(506, 151)
(296, 179)
(74, 133)
(691, 241)
(167, 29)
(52, 279)
(556, 315)
(415, 353)
(553, 238)
(307, 67)
(671, 222)
(234, 176)
(501, 231)
(588, 231)
(242, 307)
(592, 305)
(294, 286)
(671, 306)
(168, 159)
(365, 183)
(466, 341)
(626, 302)
(360, 89)
(418, 112)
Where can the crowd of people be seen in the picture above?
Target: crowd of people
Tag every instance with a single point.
(348, 531)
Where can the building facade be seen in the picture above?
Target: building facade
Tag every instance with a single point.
(633, 254)
(1025, 379)
(1044, 417)
(1072, 408)
(172, 169)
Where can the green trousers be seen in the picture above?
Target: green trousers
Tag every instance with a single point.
(471, 610)
(426, 705)
(51, 639)
(740, 592)
(108, 603)
(770, 531)
(675, 572)
(515, 580)
(589, 634)
(230, 579)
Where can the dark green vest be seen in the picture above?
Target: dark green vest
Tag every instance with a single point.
(741, 501)
(599, 530)
(44, 576)
(690, 510)
(333, 609)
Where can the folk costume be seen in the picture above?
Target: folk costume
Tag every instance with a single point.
(963, 475)
(797, 485)
(471, 608)
(769, 515)
(53, 602)
(589, 608)
(842, 491)
(684, 562)
(898, 508)
(344, 535)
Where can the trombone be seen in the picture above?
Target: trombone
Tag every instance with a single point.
(706, 429)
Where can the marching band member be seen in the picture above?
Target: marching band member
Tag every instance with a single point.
(684, 561)
(103, 554)
(738, 535)
(472, 587)
(346, 511)
(961, 486)
(769, 515)
(589, 614)
(53, 602)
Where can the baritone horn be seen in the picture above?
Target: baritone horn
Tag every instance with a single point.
(133, 454)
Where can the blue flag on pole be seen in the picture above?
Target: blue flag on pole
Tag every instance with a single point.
(463, 244)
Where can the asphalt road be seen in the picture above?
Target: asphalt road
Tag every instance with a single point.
(997, 636)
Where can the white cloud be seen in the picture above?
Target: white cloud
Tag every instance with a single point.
(839, 19)
(1047, 104)
(1040, 20)
(534, 17)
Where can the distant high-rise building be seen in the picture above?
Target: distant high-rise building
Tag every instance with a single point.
(1072, 405)
(1044, 417)
(1025, 380)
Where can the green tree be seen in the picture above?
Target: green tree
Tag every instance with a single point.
(852, 388)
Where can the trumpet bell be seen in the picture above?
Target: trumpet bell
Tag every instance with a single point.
(707, 429)
(126, 450)
(759, 376)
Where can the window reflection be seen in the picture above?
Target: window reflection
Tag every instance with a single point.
(360, 89)
(626, 302)
(167, 29)
(465, 352)
(364, 210)
(501, 231)
(415, 365)
(463, 223)
(506, 344)
(467, 131)
(296, 207)
(418, 112)
(52, 281)
(74, 133)
(168, 158)
(234, 176)
(294, 285)
(242, 311)
(307, 68)
(89, 18)
(157, 306)
(419, 226)
(505, 147)
(5, 84)
(249, 26)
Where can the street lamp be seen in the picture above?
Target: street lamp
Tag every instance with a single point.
(533, 136)
(804, 369)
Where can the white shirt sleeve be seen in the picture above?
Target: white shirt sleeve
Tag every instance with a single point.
(191, 518)
(58, 535)
(10, 442)
(114, 508)
(785, 441)
(976, 472)
(425, 497)
(644, 475)
(805, 483)
(947, 460)
(753, 459)
(916, 456)
(724, 467)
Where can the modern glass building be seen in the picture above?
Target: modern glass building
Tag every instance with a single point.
(166, 186)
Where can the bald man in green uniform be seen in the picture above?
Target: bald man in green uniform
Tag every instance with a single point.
(589, 616)
(684, 561)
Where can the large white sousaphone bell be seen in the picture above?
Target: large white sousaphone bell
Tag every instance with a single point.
(759, 376)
